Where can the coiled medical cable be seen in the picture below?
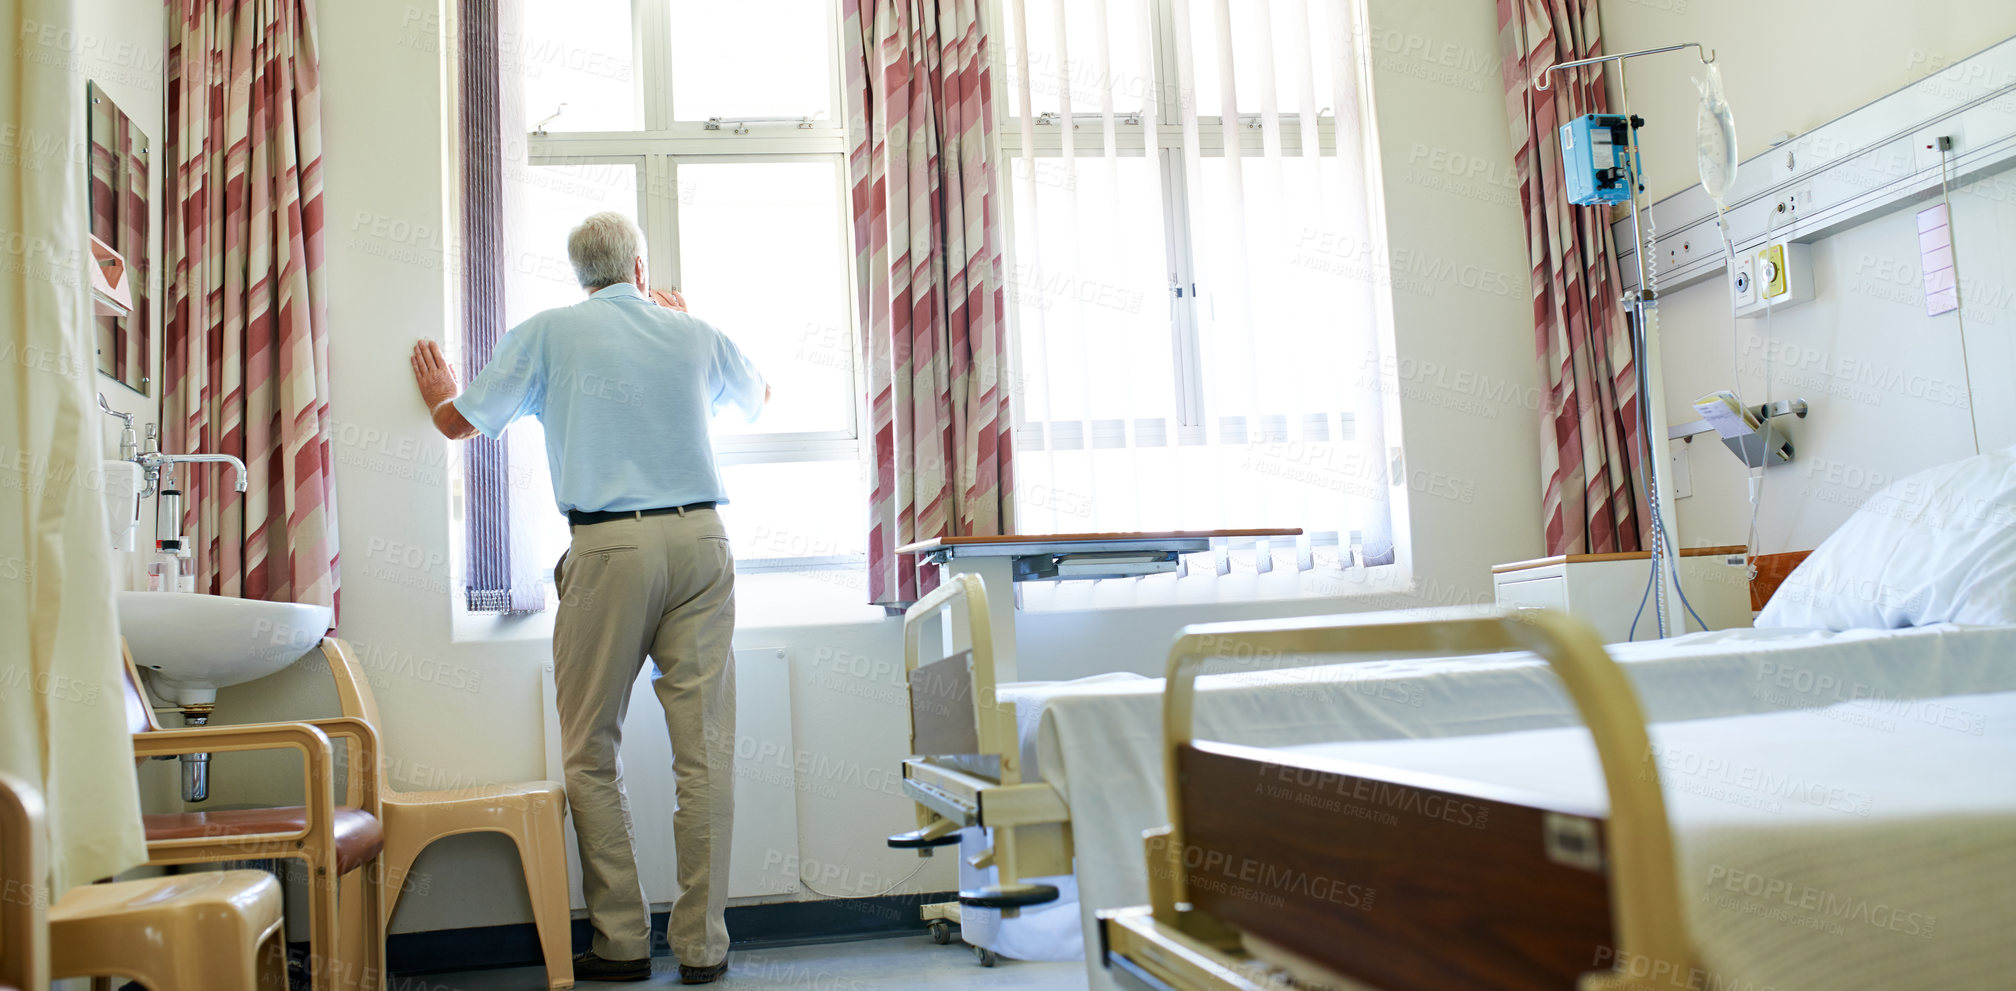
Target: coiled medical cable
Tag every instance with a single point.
(1663, 551)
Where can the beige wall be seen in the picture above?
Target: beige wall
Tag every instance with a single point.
(1468, 386)
(1787, 66)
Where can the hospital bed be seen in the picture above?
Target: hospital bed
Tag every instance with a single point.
(1791, 848)
(1086, 754)
(966, 769)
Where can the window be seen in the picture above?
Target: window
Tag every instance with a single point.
(1194, 272)
(713, 125)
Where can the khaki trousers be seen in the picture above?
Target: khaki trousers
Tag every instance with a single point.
(663, 587)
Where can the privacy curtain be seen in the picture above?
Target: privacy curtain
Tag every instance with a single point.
(928, 250)
(246, 349)
(62, 721)
(1589, 426)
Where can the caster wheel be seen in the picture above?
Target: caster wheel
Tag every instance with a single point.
(941, 933)
(987, 957)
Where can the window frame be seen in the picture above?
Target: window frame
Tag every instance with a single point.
(657, 149)
(1130, 134)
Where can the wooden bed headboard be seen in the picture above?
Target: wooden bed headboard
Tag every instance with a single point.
(1771, 572)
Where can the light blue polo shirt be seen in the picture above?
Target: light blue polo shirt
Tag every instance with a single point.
(625, 389)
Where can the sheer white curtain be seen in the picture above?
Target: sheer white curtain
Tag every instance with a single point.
(1195, 283)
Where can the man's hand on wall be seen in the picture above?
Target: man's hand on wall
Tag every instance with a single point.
(669, 298)
(436, 378)
(434, 375)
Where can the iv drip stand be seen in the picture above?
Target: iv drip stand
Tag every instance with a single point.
(1645, 346)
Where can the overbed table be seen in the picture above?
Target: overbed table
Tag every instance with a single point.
(1002, 561)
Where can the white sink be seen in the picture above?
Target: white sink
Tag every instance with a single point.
(190, 644)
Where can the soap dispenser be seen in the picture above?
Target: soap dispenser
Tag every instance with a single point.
(185, 567)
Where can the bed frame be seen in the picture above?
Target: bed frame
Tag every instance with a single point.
(966, 763)
(1277, 867)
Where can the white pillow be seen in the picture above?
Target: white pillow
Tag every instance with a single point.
(1935, 547)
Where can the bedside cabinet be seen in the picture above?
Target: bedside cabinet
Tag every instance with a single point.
(1604, 590)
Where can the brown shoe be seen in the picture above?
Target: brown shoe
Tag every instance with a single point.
(703, 975)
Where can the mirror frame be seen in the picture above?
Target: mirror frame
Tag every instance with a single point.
(127, 219)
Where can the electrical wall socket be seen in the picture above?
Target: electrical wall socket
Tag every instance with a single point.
(1780, 272)
(1745, 278)
(1790, 206)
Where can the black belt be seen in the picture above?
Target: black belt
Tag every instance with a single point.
(576, 517)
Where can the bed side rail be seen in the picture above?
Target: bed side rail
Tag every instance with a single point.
(955, 711)
(1650, 920)
(953, 708)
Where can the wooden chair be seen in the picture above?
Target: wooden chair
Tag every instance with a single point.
(196, 932)
(531, 813)
(24, 903)
(333, 841)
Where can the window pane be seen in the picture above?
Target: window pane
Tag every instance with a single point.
(762, 256)
(1292, 51)
(754, 58)
(1052, 74)
(546, 202)
(577, 52)
(1089, 291)
(769, 514)
(1281, 300)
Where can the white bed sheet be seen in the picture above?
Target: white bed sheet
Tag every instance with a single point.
(1829, 848)
(1100, 744)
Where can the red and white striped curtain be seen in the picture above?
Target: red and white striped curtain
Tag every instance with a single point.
(1589, 427)
(247, 354)
(928, 249)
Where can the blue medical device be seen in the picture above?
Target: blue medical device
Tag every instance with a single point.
(1596, 155)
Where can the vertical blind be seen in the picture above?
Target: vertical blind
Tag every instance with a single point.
(1195, 271)
(501, 575)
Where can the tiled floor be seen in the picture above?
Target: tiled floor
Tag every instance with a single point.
(871, 965)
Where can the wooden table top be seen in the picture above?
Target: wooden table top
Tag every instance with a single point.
(1044, 539)
(1618, 556)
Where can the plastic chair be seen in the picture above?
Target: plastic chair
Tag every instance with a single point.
(218, 930)
(346, 937)
(530, 812)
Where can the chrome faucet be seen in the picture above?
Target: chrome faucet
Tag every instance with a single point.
(128, 444)
(152, 463)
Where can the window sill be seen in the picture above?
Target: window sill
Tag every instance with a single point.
(783, 600)
(1280, 585)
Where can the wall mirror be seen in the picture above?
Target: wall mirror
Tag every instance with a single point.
(119, 201)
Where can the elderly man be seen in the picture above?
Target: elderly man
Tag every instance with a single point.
(625, 388)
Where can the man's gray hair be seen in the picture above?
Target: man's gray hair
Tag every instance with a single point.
(604, 250)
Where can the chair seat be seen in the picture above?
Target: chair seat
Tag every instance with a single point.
(520, 793)
(254, 895)
(164, 928)
(359, 835)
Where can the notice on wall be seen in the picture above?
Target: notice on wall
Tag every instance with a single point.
(1935, 248)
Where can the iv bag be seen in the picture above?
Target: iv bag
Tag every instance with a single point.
(1715, 137)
